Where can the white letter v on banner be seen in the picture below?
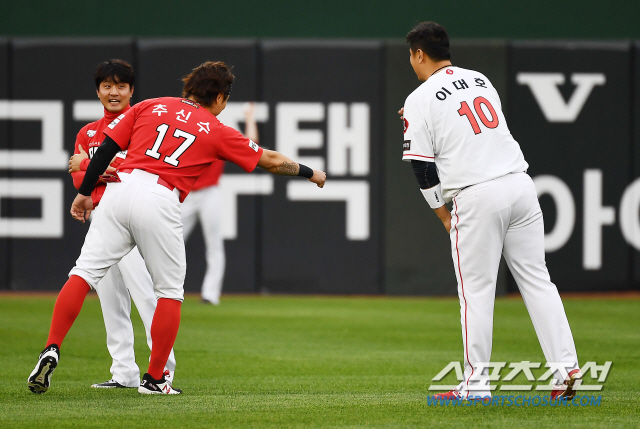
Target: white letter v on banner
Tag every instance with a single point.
(544, 87)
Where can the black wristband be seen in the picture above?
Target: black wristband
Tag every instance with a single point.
(305, 171)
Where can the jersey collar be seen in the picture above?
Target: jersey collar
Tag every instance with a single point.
(110, 116)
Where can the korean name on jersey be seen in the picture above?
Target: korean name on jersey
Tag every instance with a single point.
(455, 119)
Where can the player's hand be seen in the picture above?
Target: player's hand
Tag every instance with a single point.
(319, 177)
(76, 160)
(401, 112)
(445, 217)
(81, 208)
(447, 224)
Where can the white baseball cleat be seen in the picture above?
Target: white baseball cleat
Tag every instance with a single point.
(168, 376)
(40, 378)
(151, 386)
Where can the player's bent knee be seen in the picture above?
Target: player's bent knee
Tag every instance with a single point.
(92, 279)
(170, 293)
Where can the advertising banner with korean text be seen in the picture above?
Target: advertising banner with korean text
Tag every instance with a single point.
(570, 110)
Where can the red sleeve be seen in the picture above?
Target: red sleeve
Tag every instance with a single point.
(238, 149)
(84, 164)
(78, 176)
(121, 128)
(79, 141)
(218, 168)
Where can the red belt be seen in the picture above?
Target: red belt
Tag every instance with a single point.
(161, 181)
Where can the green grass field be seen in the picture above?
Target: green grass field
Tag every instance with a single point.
(292, 362)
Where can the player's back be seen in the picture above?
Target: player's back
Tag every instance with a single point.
(464, 124)
(171, 132)
(177, 139)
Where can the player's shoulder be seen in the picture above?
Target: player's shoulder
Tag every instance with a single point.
(462, 73)
(431, 84)
(417, 94)
(93, 124)
(90, 129)
(453, 73)
(149, 102)
(162, 103)
(179, 101)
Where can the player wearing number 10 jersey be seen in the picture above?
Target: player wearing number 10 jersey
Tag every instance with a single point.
(457, 140)
(455, 119)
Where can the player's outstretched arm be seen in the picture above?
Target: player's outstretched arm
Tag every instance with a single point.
(276, 163)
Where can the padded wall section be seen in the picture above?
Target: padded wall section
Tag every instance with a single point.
(325, 102)
(571, 116)
(5, 172)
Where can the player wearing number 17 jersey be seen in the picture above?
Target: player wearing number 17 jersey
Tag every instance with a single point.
(461, 150)
(178, 124)
(170, 143)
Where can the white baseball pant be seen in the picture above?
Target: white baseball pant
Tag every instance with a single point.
(128, 280)
(137, 211)
(503, 216)
(206, 205)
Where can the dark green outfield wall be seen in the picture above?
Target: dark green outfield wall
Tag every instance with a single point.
(540, 19)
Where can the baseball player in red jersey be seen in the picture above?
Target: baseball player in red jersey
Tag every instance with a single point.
(129, 278)
(461, 151)
(204, 204)
(170, 142)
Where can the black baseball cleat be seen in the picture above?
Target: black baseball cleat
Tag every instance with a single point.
(109, 384)
(151, 386)
(40, 378)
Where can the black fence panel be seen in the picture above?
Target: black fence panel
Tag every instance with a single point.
(326, 102)
(631, 207)
(5, 172)
(333, 105)
(571, 115)
(53, 96)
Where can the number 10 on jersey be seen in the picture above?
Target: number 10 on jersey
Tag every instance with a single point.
(465, 110)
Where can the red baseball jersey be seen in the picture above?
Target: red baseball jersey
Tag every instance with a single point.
(178, 139)
(211, 176)
(90, 137)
